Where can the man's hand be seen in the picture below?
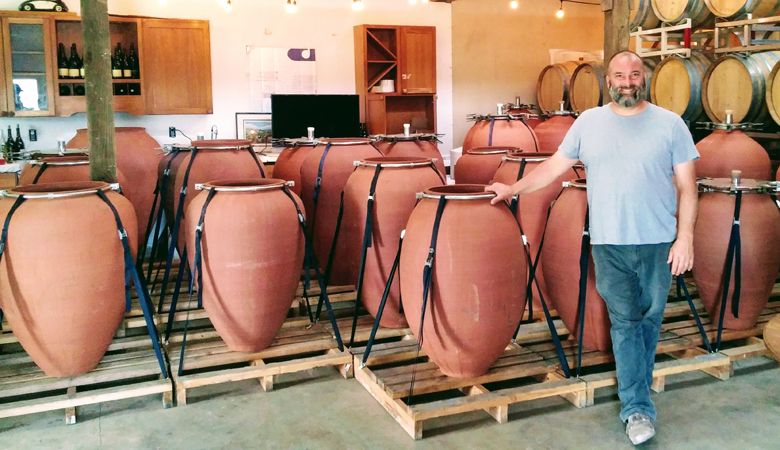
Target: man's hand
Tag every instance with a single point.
(503, 192)
(681, 255)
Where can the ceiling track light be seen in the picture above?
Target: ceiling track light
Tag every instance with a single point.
(357, 5)
(227, 5)
(559, 14)
(292, 6)
(514, 4)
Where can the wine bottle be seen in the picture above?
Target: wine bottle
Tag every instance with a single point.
(132, 61)
(81, 68)
(62, 61)
(118, 63)
(10, 145)
(19, 147)
(73, 62)
(127, 69)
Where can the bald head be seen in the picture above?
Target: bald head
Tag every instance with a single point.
(624, 57)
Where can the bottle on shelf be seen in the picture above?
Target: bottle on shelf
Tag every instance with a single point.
(10, 145)
(127, 69)
(6, 158)
(62, 61)
(118, 62)
(363, 129)
(81, 68)
(132, 61)
(74, 63)
(18, 143)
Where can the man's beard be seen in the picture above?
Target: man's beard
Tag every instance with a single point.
(630, 100)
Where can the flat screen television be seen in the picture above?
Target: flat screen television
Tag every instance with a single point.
(330, 115)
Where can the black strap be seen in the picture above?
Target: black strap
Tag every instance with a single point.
(177, 292)
(315, 264)
(733, 259)
(383, 302)
(535, 264)
(516, 198)
(490, 131)
(533, 280)
(582, 297)
(156, 216)
(43, 168)
(257, 163)
(331, 255)
(683, 289)
(140, 286)
(4, 236)
(175, 230)
(318, 185)
(198, 273)
(427, 278)
(199, 245)
(367, 241)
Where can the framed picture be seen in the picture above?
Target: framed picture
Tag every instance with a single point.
(255, 127)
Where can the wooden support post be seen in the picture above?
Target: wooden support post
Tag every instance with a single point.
(266, 382)
(615, 27)
(100, 101)
(70, 412)
(499, 412)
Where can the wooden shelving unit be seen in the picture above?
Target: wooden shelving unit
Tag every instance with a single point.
(407, 57)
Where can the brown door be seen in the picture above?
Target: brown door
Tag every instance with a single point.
(177, 66)
(418, 60)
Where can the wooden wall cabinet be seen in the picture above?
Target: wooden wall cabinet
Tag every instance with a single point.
(26, 82)
(174, 59)
(177, 55)
(407, 57)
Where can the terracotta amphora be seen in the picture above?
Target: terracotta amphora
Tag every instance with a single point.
(531, 209)
(137, 155)
(551, 132)
(724, 151)
(288, 164)
(478, 278)
(560, 267)
(62, 284)
(398, 181)
(503, 130)
(412, 146)
(760, 248)
(479, 165)
(214, 160)
(55, 169)
(252, 249)
(323, 176)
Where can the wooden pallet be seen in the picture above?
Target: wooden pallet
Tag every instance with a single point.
(529, 370)
(299, 346)
(129, 369)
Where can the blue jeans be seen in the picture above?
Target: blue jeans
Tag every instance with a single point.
(634, 281)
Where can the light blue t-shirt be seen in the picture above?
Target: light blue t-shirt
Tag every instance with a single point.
(629, 162)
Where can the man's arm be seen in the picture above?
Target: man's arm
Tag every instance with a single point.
(546, 173)
(681, 253)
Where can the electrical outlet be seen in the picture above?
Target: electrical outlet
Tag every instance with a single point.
(172, 132)
(33, 134)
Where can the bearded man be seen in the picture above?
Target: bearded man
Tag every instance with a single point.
(635, 155)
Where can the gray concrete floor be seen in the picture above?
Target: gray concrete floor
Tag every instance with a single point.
(318, 409)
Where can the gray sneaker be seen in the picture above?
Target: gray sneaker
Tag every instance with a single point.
(639, 428)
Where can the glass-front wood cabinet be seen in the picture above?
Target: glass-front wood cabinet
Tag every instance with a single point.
(26, 63)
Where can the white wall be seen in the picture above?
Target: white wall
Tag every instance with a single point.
(326, 25)
(498, 52)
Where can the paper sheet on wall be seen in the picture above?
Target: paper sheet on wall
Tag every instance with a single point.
(274, 70)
